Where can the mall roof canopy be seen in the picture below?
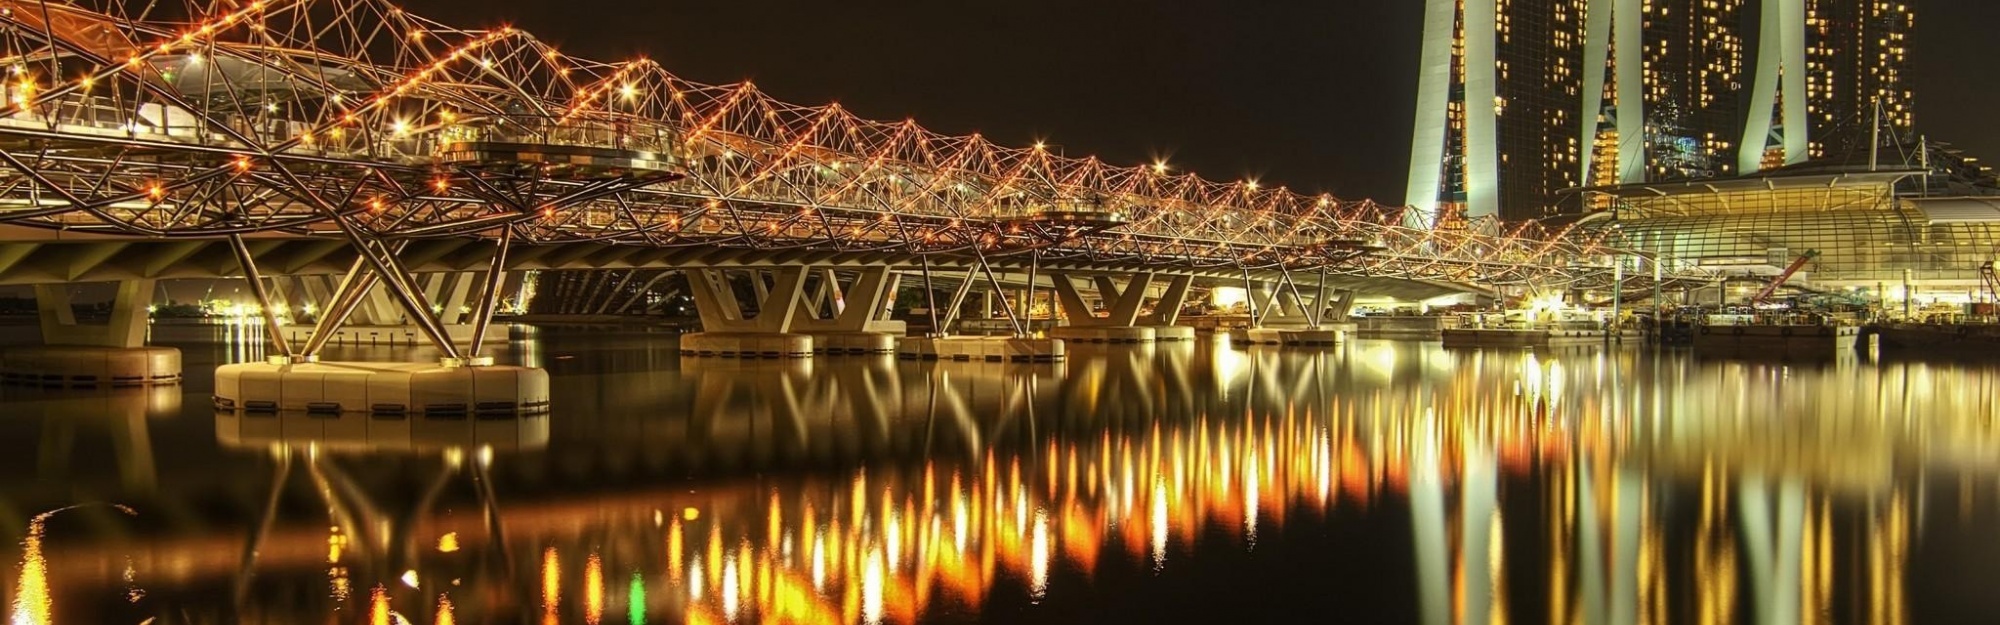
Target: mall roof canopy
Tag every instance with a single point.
(1775, 180)
(1955, 210)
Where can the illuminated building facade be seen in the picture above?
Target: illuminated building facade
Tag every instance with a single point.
(1692, 76)
(1857, 53)
(1497, 121)
(1574, 107)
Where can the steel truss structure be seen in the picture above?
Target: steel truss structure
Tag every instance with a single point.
(356, 120)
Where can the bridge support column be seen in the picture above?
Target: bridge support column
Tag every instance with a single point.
(1021, 346)
(848, 320)
(1166, 314)
(1340, 309)
(462, 383)
(1120, 321)
(1123, 321)
(729, 331)
(92, 355)
(1285, 316)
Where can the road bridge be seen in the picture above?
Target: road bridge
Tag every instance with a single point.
(347, 137)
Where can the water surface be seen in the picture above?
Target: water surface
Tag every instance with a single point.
(1380, 482)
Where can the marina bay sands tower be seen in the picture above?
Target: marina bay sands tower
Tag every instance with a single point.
(1518, 100)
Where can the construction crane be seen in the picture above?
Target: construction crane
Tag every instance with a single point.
(1797, 264)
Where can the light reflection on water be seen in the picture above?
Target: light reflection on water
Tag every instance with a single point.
(1586, 486)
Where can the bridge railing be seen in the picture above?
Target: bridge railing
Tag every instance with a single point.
(600, 131)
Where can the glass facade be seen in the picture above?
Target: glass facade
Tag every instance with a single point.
(1867, 237)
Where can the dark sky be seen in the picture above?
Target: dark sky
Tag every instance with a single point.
(1315, 94)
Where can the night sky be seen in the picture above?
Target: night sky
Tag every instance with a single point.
(1314, 94)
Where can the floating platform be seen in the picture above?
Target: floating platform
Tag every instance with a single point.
(354, 432)
(1427, 328)
(1952, 338)
(395, 336)
(1122, 334)
(76, 366)
(1169, 334)
(1324, 336)
(383, 390)
(1215, 324)
(853, 343)
(1106, 334)
(980, 348)
(746, 345)
(1777, 340)
(1509, 337)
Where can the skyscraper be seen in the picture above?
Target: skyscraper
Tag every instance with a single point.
(1857, 53)
(1497, 121)
(1571, 105)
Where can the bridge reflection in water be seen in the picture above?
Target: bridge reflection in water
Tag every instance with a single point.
(1595, 487)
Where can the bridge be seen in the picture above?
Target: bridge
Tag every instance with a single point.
(341, 138)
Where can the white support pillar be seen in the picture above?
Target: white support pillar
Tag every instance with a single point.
(1284, 319)
(92, 356)
(1596, 51)
(1120, 324)
(1075, 310)
(127, 327)
(1166, 314)
(853, 326)
(1482, 119)
(457, 295)
(894, 287)
(1609, 25)
(1124, 303)
(1798, 132)
(1278, 307)
(1780, 69)
(1630, 44)
(378, 309)
(1167, 311)
(728, 332)
(1427, 149)
(1342, 304)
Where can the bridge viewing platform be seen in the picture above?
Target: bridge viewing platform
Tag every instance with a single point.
(375, 149)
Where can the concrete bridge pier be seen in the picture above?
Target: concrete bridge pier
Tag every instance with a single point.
(84, 355)
(1166, 315)
(1123, 320)
(848, 319)
(729, 330)
(462, 383)
(1021, 346)
(1282, 315)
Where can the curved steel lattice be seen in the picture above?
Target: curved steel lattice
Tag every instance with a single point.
(314, 117)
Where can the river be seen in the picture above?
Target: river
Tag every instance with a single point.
(1377, 482)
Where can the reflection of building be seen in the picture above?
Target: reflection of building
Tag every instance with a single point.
(1543, 95)
(1647, 494)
